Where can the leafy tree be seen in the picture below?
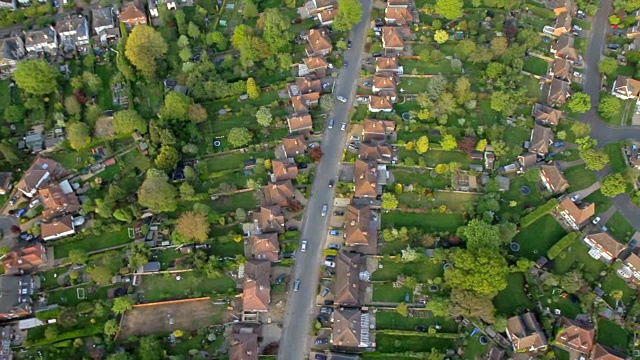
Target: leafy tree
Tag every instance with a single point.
(579, 102)
(495, 70)
(441, 36)
(439, 306)
(504, 102)
(580, 129)
(139, 255)
(481, 235)
(609, 107)
(252, 89)
(594, 159)
(239, 136)
(78, 256)
(186, 190)
(327, 102)
(483, 271)
(9, 152)
(197, 113)
(448, 142)
(167, 159)
(35, 77)
(389, 201)
(122, 304)
(482, 145)
(402, 309)
(608, 66)
(422, 145)
(465, 47)
(185, 54)
(110, 328)
(72, 105)
(150, 348)
(614, 19)
(51, 332)
(613, 184)
(176, 106)
(250, 10)
(499, 46)
(449, 9)
(315, 154)
(349, 14)
(572, 281)
(101, 274)
(128, 121)
(156, 193)
(264, 117)
(144, 47)
(276, 31)
(193, 226)
(193, 30)
(462, 90)
(291, 4)
(78, 135)
(469, 304)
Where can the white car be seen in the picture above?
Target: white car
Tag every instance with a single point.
(34, 203)
(576, 27)
(596, 220)
(344, 126)
(330, 264)
(296, 285)
(324, 210)
(342, 99)
(303, 246)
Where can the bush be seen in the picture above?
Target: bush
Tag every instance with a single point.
(538, 213)
(48, 314)
(562, 245)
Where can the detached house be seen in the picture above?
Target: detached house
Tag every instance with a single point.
(398, 16)
(603, 247)
(541, 138)
(561, 69)
(293, 145)
(104, 26)
(575, 337)
(553, 179)
(392, 39)
(387, 64)
(8, 4)
(41, 41)
(366, 179)
(58, 200)
(132, 16)
(350, 328)
(318, 43)
(360, 229)
(563, 48)
(15, 296)
(57, 228)
(384, 81)
(279, 193)
(263, 247)
(575, 216)
(626, 88)
(313, 65)
(546, 115)
(269, 219)
(74, 33)
(24, 260)
(525, 333)
(631, 267)
(326, 17)
(302, 103)
(379, 103)
(559, 92)
(244, 346)
(300, 123)
(377, 150)
(40, 172)
(256, 290)
(560, 6)
(284, 170)
(374, 129)
(12, 50)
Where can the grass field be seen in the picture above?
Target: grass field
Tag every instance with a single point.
(420, 177)
(385, 292)
(578, 254)
(388, 344)
(92, 243)
(613, 282)
(512, 299)
(536, 66)
(620, 228)
(413, 85)
(612, 335)
(422, 271)
(602, 202)
(616, 159)
(246, 200)
(538, 237)
(162, 287)
(69, 296)
(579, 178)
(430, 222)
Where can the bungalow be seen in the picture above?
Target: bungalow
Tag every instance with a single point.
(41, 171)
(318, 43)
(41, 41)
(325, 17)
(464, 182)
(541, 138)
(263, 247)
(563, 48)
(562, 24)
(244, 346)
(300, 123)
(374, 129)
(269, 219)
(24, 260)
(384, 81)
(575, 216)
(553, 179)
(5, 182)
(361, 229)
(398, 16)
(601, 352)
(256, 290)
(132, 16)
(348, 287)
(280, 193)
(293, 145)
(284, 170)
(58, 228)
(575, 337)
(559, 92)
(603, 247)
(12, 50)
(350, 328)
(392, 39)
(74, 33)
(365, 177)
(377, 150)
(525, 333)
(561, 69)
(626, 88)
(58, 200)
(546, 115)
(16, 301)
(313, 65)
(387, 64)
(631, 267)
(379, 103)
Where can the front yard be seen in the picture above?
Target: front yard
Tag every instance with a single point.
(579, 178)
(620, 228)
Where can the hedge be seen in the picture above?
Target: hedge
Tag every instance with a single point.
(562, 244)
(73, 334)
(538, 213)
(421, 334)
(45, 315)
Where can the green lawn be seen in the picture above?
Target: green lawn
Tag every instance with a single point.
(474, 349)
(513, 299)
(536, 239)
(533, 200)
(420, 177)
(391, 320)
(612, 335)
(613, 282)
(578, 254)
(5, 94)
(92, 243)
(536, 66)
(387, 343)
(385, 292)
(233, 161)
(105, 98)
(69, 296)
(456, 201)
(616, 159)
(566, 307)
(435, 157)
(603, 203)
(424, 67)
(246, 200)
(429, 222)
(579, 178)
(190, 285)
(422, 271)
(620, 228)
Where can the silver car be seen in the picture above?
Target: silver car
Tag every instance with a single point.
(324, 210)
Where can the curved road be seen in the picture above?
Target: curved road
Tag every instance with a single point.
(295, 340)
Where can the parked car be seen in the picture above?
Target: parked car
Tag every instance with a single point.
(331, 182)
(613, 46)
(303, 246)
(21, 212)
(78, 221)
(367, 83)
(355, 138)
(292, 228)
(302, 166)
(345, 64)
(321, 341)
(331, 121)
(34, 203)
(558, 144)
(25, 236)
(342, 99)
(289, 255)
(321, 357)
(324, 210)
(296, 285)
(377, 54)
(379, 22)
(334, 232)
(349, 44)
(326, 309)
(338, 213)
(576, 27)
(333, 247)
(14, 199)
(596, 220)
(330, 264)
(614, 26)
(344, 126)
(575, 197)
(330, 258)
(324, 293)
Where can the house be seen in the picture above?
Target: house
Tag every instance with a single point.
(301, 123)
(527, 160)
(325, 17)
(302, 103)
(392, 39)
(52, 139)
(384, 81)
(553, 179)
(374, 129)
(546, 115)
(541, 138)
(293, 145)
(379, 103)
(563, 48)
(304, 85)
(559, 92)
(313, 65)
(74, 33)
(575, 337)
(603, 247)
(525, 333)
(377, 150)
(279, 193)
(366, 179)
(153, 6)
(631, 267)
(561, 69)
(256, 290)
(41, 171)
(350, 328)
(5, 182)
(284, 170)
(464, 182)
(57, 228)
(388, 64)
(562, 24)
(58, 200)
(398, 3)
(314, 7)
(601, 352)
(626, 88)
(41, 41)
(104, 26)
(398, 16)
(318, 43)
(8, 4)
(561, 6)
(360, 229)
(12, 50)
(132, 16)
(269, 219)
(263, 247)
(489, 160)
(575, 216)
(348, 286)
(15, 296)
(494, 353)
(24, 260)
(244, 346)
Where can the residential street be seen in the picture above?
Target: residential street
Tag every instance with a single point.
(300, 307)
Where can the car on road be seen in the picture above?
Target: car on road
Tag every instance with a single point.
(343, 127)
(324, 210)
(596, 220)
(296, 285)
(324, 293)
(321, 341)
(330, 264)
(576, 27)
(345, 64)
(338, 213)
(349, 44)
(333, 247)
(331, 182)
(575, 197)
(334, 232)
(14, 200)
(342, 99)
(303, 246)
(21, 212)
(331, 121)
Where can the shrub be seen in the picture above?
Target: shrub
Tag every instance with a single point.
(562, 244)
(538, 213)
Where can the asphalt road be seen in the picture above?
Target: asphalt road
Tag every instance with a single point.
(296, 338)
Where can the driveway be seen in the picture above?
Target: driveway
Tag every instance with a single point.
(296, 337)
(8, 239)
